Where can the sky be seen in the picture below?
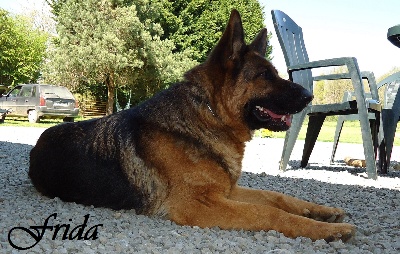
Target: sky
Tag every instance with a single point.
(341, 28)
(331, 28)
(18, 6)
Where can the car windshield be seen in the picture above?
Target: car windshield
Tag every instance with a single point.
(56, 92)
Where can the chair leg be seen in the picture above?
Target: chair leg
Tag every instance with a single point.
(383, 166)
(389, 122)
(374, 126)
(290, 138)
(313, 129)
(339, 127)
(356, 80)
(368, 146)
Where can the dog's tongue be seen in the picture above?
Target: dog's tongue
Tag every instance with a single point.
(284, 118)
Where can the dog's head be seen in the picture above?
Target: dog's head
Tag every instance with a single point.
(244, 88)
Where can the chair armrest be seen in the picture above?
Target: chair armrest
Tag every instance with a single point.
(346, 75)
(332, 76)
(375, 105)
(338, 62)
(322, 63)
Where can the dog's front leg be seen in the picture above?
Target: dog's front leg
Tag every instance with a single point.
(215, 210)
(288, 203)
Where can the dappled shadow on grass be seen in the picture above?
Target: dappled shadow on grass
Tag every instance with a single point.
(44, 123)
(23, 122)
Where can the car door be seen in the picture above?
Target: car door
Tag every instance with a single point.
(24, 100)
(10, 100)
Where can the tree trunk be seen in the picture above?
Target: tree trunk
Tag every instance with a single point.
(111, 94)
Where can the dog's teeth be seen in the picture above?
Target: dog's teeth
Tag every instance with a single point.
(283, 119)
(261, 109)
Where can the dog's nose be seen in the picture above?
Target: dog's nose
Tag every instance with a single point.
(306, 96)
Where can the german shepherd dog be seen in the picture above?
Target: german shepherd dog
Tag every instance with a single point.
(179, 154)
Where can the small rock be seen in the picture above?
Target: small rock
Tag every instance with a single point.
(117, 215)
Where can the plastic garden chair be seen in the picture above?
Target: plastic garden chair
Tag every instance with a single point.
(389, 117)
(299, 68)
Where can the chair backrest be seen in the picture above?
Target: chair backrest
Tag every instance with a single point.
(391, 96)
(290, 37)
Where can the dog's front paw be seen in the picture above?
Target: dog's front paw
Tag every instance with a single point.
(339, 231)
(327, 214)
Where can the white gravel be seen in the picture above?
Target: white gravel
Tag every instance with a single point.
(373, 206)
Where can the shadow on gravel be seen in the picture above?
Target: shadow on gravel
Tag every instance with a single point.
(13, 152)
(340, 166)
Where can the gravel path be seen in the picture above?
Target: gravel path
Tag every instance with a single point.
(374, 206)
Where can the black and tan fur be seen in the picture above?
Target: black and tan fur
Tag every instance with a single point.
(179, 154)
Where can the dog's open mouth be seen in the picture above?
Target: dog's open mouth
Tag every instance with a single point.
(264, 114)
(270, 112)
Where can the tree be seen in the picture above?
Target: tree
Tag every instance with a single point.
(164, 38)
(100, 42)
(22, 50)
(197, 25)
(332, 91)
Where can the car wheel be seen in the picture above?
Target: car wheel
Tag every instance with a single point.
(33, 116)
(68, 119)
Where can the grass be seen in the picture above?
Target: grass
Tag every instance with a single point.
(351, 132)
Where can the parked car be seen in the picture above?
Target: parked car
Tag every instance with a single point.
(3, 114)
(3, 89)
(37, 101)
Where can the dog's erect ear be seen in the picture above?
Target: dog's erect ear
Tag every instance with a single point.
(259, 43)
(231, 43)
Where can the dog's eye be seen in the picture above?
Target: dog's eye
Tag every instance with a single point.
(267, 75)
